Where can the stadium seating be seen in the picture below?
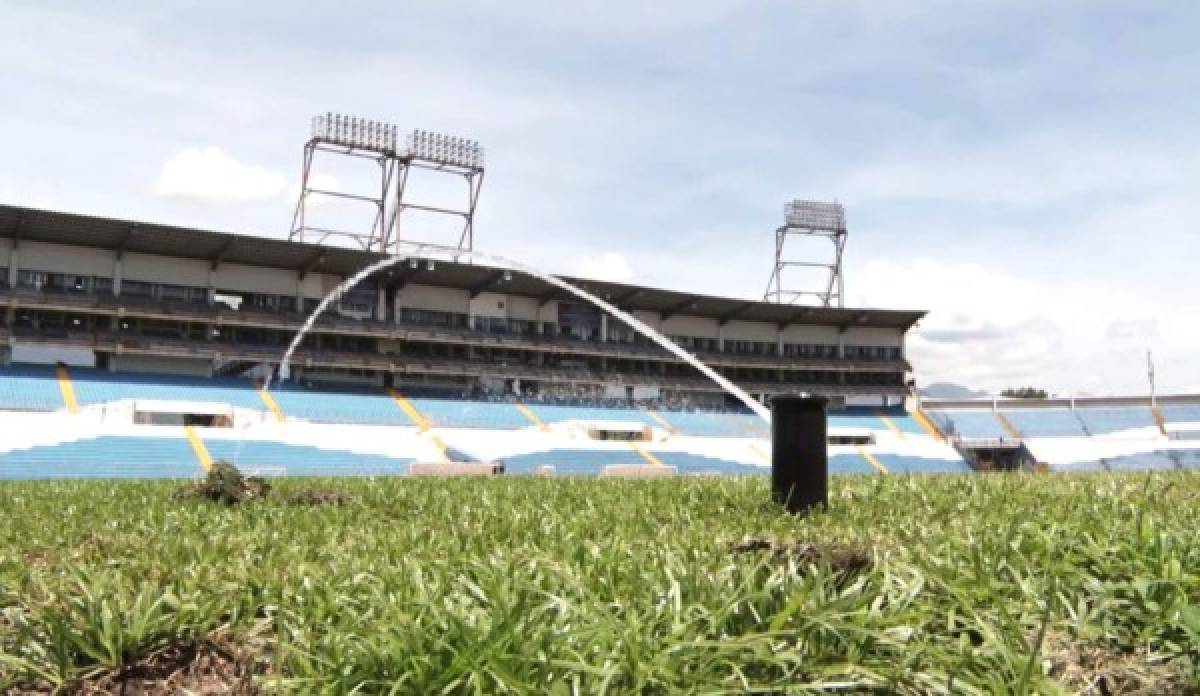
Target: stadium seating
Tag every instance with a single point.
(29, 388)
(1045, 422)
(969, 423)
(277, 458)
(369, 408)
(103, 457)
(1101, 421)
(99, 386)
(707, 424)
(571, 462)
(849, 463)
(905, 423)
(688, 463)
(906, 464)
(446, 413)
(554, 413)
(1181, 413)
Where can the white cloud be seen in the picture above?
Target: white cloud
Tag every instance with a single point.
(994, 328)
(610, 265)
(211, 175)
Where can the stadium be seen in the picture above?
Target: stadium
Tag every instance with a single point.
(140, 350)
(547, 438)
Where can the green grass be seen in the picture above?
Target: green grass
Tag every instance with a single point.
(516, 585)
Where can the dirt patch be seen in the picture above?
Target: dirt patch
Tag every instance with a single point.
(1092, 670)
(842, 558)
(206, 667)
(318, 497)
(224, 483)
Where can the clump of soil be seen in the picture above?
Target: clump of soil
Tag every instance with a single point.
(205, 667)
(224, 483)
(315, 497)
(842, 558)
(1092, 670)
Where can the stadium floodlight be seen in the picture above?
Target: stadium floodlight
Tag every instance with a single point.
(444, 149)
(355, 132)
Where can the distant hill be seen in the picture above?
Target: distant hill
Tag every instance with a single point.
(947, 390)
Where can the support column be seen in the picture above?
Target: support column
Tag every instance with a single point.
(118, 274)
(14, 265)
(380, 302)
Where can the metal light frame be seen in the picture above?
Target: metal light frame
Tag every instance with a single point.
(809, 219)
(365, 139)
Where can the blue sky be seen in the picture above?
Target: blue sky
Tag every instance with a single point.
(1027, 171)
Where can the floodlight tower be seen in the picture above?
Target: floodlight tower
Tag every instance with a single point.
(350, 137)
(809, 219)
(445, 154)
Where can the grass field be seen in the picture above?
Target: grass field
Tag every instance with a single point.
(971, 584)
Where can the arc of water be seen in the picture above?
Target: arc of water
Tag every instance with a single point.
(443, 253)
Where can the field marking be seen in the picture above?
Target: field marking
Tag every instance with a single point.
(533, 417)
(659, 419)
(891, 425)
(872, 460)
(67, 389)
(271, 404)
(411, 411)
(653, 460)
(198, 448)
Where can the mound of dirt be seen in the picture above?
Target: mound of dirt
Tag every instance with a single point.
(1092, 670)
(224, 483)
(206, 667)
(842, 558)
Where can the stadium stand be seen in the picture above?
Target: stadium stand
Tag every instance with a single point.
(969, 423)
(905, 464)
(904, 422)
(1181, 413)
(276, 458)
(1045, 422)
(98, 387)
(1105, 420)
(688, 463)
(570, 462)
(29, 388)
(447, 413)
(365, 407)
(556, 413)
(103, 457)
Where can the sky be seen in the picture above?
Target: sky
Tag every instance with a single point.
(1028, 172)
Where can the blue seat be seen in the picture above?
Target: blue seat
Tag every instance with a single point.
(1045, 422)
(1104, 420)
(454, 413)
(571, 462)
(300, 460)
(904, 464)
(103, 457)
(716, 424)
(969, 423)
(1181, 413)
(688, 463)
(29, 388)
(554, 413)
(364, 407)
(99, 386)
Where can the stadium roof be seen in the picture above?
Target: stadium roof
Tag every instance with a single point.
(19, 223)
